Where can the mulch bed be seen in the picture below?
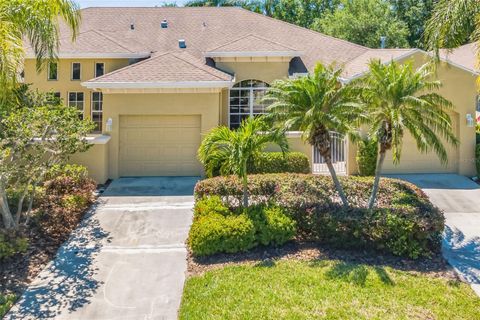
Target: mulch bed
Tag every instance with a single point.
(435, 267)
(17, 272)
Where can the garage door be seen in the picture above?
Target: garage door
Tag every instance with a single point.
(413, 161)
(159, 145)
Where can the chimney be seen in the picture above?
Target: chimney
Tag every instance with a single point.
(383, 41)
(164, 24)
(182, 44)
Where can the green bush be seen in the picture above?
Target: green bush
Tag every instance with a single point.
(367, 155)
(12, 244)
(74, 171)
(404, 222)
(277, 162)
(215, 233)
(210, 205)
(6, 302)
(477, 159)
(272, 224)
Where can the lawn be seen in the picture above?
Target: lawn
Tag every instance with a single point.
(324, 289)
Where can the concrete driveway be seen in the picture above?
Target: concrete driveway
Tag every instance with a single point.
(459, 198)
(127, 260)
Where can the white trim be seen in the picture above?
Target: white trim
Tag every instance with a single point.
(71, 71)
(98, 139)
(95, 69)
(149, 85)
(106, 55)
(214, 54)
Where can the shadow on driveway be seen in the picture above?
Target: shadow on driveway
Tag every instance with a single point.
(151, 186)
(68, 282)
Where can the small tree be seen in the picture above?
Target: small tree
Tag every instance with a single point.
(32, 141)
(397, 98)
(316, 105)
(231, 150)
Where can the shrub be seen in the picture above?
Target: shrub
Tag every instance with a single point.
(272, 225)
(210, 205)
(404, 222)
(12, 244)
(277, 162)
(66, 198)
(367, 155)
(215, 233)
(73, 171)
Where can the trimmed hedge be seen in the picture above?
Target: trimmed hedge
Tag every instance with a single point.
(367, 155)
(216, 228)
(277, 162)
(213, 233)
(404, 223)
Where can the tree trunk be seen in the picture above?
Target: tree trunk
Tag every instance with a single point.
(20, 205)
(7, 217)
(245, 187)
(338, 186)
(378, 172)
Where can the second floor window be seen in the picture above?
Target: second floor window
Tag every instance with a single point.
(76, 71)
(99, 69)
(76, 100)
(97, 110)
(52, 72)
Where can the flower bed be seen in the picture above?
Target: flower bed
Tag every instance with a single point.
(404, 222)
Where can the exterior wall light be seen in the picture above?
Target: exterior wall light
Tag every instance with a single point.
(470, 120)
(109, 125)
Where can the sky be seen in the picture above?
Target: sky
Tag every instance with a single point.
(125, 3)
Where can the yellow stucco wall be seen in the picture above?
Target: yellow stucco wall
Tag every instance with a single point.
(206, 105)
(95, 160)
(459, 86)
(64, 84)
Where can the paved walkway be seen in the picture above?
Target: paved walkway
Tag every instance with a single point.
(459, 198)
(126, 261)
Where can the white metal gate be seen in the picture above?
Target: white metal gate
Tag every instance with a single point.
(338, 155)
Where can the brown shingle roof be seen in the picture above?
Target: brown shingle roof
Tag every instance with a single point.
(359, 64)
(252, 43)
(465, 56)
(165, 68)
(205, 28)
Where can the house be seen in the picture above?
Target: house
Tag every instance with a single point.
(155, 80)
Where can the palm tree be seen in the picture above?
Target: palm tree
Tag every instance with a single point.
(453, 23)
(315, 104)
(397, 98)
(37, 22)
(232, 150)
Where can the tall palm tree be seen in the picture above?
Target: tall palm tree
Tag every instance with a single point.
(453, 23)
(36, 22)
(231, 150)
(397, 99)
(315, 104)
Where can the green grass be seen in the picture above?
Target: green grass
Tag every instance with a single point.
(324, 290)
(6, 302)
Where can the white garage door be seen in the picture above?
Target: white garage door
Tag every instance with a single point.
(413, 161)
(159, 145)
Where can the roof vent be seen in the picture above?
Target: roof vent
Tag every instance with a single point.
(182, 44)
(164, 24)
(132, 26)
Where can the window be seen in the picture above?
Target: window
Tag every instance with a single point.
(76, 71)
(99, 69)
(478, 103)
(246, 101)
(54, 98)
(52, 71)
(97, 110)
(75, 100)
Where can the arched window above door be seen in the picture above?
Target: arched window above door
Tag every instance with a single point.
(246, 101)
